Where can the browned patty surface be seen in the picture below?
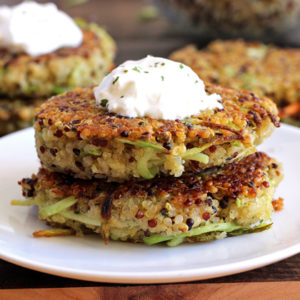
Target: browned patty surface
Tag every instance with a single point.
(245, 178)
(76, 111)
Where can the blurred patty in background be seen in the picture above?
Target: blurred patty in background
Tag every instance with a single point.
(263, 69)
(25, 80)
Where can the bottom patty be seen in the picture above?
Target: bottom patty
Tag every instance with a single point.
(218, 202)
(16, 114)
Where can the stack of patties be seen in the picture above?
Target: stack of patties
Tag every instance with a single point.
(43, 52)
(151, 155)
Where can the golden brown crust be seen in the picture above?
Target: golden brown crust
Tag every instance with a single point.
(89, 44)
(245, 177)
(76, 111)
(264, 69)
(64, 69)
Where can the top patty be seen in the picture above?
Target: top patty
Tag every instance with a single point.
(75, 136)
(265, 70)
(48, 74)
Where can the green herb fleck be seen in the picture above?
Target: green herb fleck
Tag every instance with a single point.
(125, 71)
(148, 13)
(122, 96)
(196, 81)
(71, 3)
(258, 52)
(137, 69)
(162, 78)
(3, 71)
(58, 90)
(163, 64)
(117, 78)
(181, 66)
(104, 102)
(164, 212)
(146, 72)
(229, 71)
(32, 88)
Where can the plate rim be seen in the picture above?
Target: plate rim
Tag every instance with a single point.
(152, 277)
(172, 276)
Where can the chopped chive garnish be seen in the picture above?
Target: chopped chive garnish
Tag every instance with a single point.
(122, 96)
(181, 66)
(196, 81)
(137, 69)
(103, 102)
(125, 71)
(146, 72)
(162, 78)
(162, 64)
(148, 13)
(117, 78)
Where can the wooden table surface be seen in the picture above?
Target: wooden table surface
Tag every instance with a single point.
(135, 39)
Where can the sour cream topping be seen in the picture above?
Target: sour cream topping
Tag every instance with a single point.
(37, 29)
(154, 87)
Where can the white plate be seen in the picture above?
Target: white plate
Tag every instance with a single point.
(89, 259)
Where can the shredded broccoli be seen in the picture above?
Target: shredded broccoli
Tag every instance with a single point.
(58, 90)
(143, 165)
(237, 144)
(229, 71)
(57, 207)
(195, 154)
(203, 158)
(91, 152)
(177, 239)
(76, 74)
(148, 13)
(232, 229)
(31, 88)
(142, 144)
(81, 218)
(23, 203)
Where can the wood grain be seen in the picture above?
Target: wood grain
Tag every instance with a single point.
(12, 276)
(233, 291)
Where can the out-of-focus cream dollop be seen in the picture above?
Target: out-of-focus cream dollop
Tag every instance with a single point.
(37, 29)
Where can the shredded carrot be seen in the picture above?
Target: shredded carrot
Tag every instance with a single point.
(277, 204)
(290, 110)
(53, 232)
(112, 66)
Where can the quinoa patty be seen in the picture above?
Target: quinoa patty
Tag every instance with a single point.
(75, 136)
(264, 69)
(16, 114)
(63, 69)
(234, 199)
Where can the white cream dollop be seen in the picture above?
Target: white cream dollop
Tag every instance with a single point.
(155, 87)
(37, 29)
